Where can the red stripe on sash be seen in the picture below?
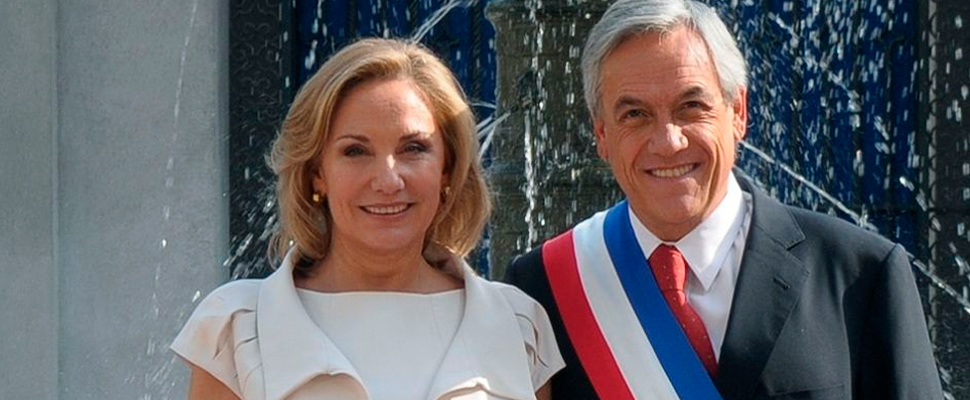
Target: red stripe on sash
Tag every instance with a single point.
(559, 258)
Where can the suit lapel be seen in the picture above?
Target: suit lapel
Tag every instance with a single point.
(769, 285)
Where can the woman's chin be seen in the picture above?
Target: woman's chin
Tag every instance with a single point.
(392, 242)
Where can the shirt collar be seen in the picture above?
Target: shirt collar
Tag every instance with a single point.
(706, 246)
(294, 350)
(487, 351)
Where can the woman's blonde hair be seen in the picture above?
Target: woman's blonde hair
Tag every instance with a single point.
(304, 225)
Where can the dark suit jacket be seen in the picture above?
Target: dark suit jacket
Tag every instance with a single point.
(822, 310)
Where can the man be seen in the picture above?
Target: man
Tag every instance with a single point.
(699, 285)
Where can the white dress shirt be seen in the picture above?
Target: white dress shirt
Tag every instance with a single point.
(713, 252)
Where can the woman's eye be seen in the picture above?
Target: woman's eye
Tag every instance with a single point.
(415, 148)
(353, 151)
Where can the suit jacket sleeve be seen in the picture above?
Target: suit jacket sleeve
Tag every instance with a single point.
(896, 358)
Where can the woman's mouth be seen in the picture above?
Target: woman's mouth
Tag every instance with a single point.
(386, 210)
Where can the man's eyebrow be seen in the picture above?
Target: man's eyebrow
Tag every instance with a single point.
(627, 101)
(696, 92)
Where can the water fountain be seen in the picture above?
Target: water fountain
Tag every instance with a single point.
(545, 170)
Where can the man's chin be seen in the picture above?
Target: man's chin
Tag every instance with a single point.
(669, 222)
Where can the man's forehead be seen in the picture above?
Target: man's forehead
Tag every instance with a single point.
(635, 99)
(661, 36)
(656, 58)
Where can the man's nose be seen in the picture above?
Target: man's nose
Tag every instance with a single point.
(388, 176)
(669, 141)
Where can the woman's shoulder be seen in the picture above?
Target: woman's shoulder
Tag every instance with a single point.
(218, 310)
(532, 317)
(233, 296)
(519, 300)
(223, 320)
(225, 308)
(536, 330)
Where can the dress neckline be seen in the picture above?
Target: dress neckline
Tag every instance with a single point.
(379, 293)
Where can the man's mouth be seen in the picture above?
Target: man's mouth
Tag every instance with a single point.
(672, 172)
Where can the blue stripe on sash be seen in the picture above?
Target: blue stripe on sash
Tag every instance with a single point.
(679, 360)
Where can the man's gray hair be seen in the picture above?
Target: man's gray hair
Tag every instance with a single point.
(626, 18)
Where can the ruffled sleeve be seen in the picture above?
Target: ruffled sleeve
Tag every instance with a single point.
(540, 341)
(223, 319)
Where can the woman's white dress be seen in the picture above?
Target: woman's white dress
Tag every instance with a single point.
(266, 339)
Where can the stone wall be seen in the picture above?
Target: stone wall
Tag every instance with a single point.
(114, 126)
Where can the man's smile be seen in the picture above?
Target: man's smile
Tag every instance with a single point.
(674, 172)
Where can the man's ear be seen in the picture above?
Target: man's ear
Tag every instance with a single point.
(740, 109)
(599, 130)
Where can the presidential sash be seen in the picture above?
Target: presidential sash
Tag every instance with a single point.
(627, 339)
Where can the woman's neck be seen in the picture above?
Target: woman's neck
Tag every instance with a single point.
(349, 268)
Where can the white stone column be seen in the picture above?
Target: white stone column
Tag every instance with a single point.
(28, 179)
(113, 149)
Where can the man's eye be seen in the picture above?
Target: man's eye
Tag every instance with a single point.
(693, 109)
(633, 114)
(697, 105)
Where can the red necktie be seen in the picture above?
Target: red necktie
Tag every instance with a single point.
(670, 270)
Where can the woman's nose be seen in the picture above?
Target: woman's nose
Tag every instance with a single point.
(388, 177)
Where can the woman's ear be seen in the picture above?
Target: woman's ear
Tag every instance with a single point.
(445, 179)
(319, 183)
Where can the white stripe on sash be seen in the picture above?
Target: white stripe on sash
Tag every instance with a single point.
(630, 346)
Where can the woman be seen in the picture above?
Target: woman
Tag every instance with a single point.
(380, 194)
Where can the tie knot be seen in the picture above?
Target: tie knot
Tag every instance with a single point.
(669, 267)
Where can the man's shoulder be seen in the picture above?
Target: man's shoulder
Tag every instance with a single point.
(528, 273)
(817, 228)
(526, 267)
(832, 238)
(532, 261)
(836, 230)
